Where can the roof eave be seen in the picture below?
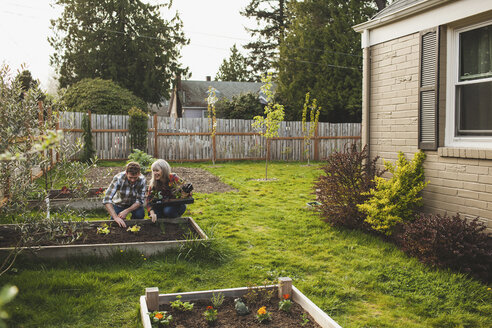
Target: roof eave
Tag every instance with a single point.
(398, 15)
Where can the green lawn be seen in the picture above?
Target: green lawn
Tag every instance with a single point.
(265, 232)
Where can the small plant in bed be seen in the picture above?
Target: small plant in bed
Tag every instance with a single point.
(160, 318)
(180, 305)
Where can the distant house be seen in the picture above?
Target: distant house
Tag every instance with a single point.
(189, 98)
(427, 84)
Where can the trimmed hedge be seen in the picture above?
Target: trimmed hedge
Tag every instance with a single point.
(101, 97)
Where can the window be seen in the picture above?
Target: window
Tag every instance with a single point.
(469, 93)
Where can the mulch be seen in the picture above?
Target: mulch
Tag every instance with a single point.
(202, 180)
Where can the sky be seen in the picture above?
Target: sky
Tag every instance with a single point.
(213, 26)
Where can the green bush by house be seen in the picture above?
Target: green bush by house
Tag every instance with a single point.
(101, 97)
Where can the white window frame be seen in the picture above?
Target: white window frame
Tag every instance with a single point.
(452, 80)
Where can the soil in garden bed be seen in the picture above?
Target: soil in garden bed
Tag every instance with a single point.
(149, 231)
(228, 318)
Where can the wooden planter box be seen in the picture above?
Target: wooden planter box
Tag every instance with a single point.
(147, 248)
(152, 299)
(59, 199)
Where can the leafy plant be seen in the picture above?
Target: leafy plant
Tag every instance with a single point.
(304, 319)
(103, 229)
(180, 305)
(135, 229)
(160, 318)
(217, 299)
(137, 127)
(396, 200)
(210, 314)
(449, 242)
(285, 304)
(347, 178)
(312, 122)
(145, 160)
(259, 294)
(263, 315)
(7, 294)
(212, 117)
(268, 125)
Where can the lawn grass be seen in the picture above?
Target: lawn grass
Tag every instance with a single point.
(264, 231)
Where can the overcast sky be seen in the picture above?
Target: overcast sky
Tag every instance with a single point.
(213, 26)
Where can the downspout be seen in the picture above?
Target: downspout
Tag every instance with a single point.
(366, 91)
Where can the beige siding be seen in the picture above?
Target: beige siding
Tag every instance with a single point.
(459, 180)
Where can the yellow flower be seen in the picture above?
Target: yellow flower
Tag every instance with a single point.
(262, 310)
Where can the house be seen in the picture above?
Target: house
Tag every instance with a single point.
(427, 84)
(189, 98)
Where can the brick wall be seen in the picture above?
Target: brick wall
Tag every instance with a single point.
(459, 180)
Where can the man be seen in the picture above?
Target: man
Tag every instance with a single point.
(126, 195)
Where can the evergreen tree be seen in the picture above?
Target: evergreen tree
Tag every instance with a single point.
(321, 54)
(272, 20)
(233, 69)
(126, 41)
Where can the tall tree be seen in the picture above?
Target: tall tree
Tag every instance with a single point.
(121, 40)
(272, 20)
(321, 54)
(234, 69)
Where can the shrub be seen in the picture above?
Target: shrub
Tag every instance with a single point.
(396, 200)
(137, 127)
(88, 148)
(142, 158)
(451, 242)
(101, 97)
(348, 176)
(244, 106)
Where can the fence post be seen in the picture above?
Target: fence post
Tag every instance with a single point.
(316, 143)
(156, 155)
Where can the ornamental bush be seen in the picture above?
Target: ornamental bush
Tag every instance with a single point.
(88, 151)
(137, 127)
(101, 97)
(451, 242)
(349, 175)
(397, 199)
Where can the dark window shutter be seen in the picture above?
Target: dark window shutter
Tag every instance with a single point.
(428, 89)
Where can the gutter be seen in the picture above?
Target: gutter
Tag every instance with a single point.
(399, 14)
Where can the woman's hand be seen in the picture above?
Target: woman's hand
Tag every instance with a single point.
(153, 216)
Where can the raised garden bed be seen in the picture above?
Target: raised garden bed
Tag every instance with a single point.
(93, 200)
(151, 239)
(302, 311)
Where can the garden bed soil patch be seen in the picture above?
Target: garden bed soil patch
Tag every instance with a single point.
(228, 318)
(149, 231)
(202, 180)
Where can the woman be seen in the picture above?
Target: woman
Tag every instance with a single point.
(165, 185)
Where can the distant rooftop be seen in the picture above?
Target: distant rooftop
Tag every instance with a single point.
(196, 92)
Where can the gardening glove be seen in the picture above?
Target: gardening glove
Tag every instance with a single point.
(187, 188)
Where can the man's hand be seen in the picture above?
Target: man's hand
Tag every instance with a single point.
(153, 216)
(123, 214)
(120, 221)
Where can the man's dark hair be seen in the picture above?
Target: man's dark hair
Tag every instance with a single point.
(133, 168)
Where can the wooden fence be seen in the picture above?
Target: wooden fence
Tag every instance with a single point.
(188, 139)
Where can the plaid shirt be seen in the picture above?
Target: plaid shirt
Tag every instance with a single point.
(120, 192)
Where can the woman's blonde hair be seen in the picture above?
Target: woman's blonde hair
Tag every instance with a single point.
(165, 169)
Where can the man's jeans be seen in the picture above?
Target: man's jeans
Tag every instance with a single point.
(139, 213)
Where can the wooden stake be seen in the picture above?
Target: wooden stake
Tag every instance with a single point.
(152, 298)
(284, 287)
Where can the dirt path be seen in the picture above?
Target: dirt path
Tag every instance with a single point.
(203, 181)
